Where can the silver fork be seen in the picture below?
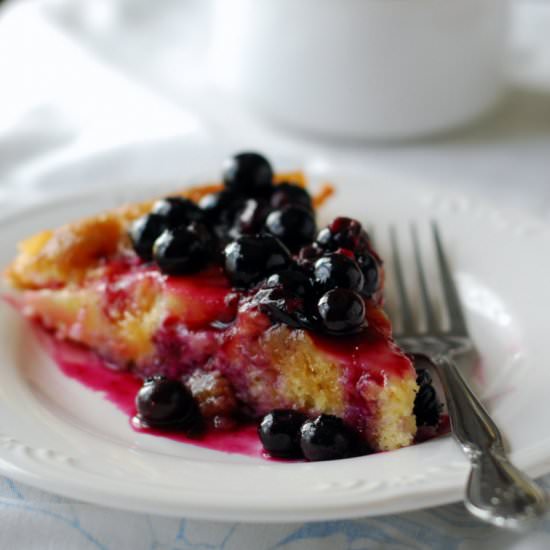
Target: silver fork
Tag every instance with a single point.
(496, 492)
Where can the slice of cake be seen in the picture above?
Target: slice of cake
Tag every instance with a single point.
(231, 305)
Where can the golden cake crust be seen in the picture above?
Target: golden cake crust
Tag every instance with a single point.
(69, 254)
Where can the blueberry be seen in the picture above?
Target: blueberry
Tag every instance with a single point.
(294, 225)
(178, 211)
(288, 193)
(279, 433)
(309, 254)
(184, 249)
(427, 407)
(327, 438)
(293, 282)
(281, 309)
(344, 233)
(144, 232)
(341, 311)
(337, 271)
(220, 207)
(286, 296)
(248, 173)
(249, 259)
(369, 267)
(250, 218)
(163, 403)
(423, 377)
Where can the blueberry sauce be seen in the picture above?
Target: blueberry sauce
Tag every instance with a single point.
(120, 388)
(369, 361)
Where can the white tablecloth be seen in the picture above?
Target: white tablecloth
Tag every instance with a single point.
(87, 100)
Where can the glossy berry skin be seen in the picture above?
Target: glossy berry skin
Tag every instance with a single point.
(275, 303)
(144, 232)
(369, 267)
(220, 207)
(163, 403)
(427, 407)
(327, 438)
(177, 211)
(248, 174)
(286, 297)
(294, 225)
(341, 311)
(337, 271)
(309, 254)
(423, 377)
(249, 259)
(279, 432)
(293, 282)
(184, 249)
(285, 194)
(344, 233)
(250, 218)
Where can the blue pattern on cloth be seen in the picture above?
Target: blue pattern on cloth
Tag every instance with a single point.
(32, 519)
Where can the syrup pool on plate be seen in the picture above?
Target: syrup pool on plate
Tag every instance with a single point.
(120, 388)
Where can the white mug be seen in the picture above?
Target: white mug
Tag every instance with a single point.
(378, 69)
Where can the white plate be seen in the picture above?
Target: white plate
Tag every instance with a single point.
(62, 437)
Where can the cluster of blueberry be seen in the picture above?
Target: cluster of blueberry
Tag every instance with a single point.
(291, 434)
(266, 238)
(325, 286)
(182, 237)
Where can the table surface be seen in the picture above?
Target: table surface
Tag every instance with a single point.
(51, 140)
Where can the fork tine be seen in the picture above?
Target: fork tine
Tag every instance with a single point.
(431, 320)
(407, 319)
(457, 321)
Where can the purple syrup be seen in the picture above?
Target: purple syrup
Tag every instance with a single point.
(120, 388)
(242, 440)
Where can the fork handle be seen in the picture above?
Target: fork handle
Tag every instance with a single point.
(496, 491)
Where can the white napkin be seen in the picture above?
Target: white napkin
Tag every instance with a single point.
(61, 107)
